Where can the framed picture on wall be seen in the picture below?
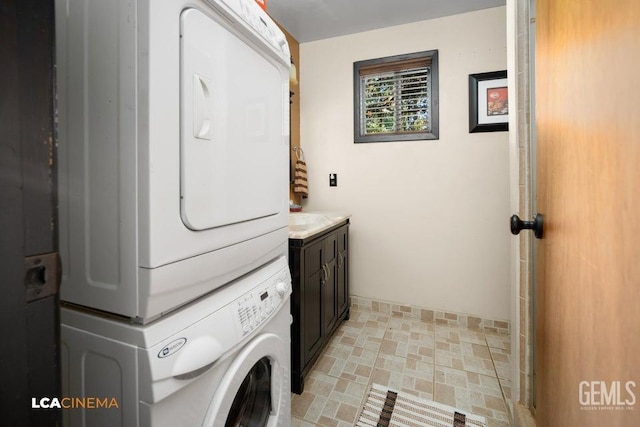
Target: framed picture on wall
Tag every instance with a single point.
(488, 102)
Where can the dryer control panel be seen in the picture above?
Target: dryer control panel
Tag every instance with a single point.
(256, 306)
(259, 22)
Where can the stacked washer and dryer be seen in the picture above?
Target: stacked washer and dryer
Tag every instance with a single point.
(173, 130)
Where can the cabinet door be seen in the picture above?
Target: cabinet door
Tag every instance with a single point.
(312, 328)
(343, 238)
(329, 305)
(342, 283)
(311, 295)
(343, 270)
(330, 248)
(313, 258)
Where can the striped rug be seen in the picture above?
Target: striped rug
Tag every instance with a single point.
(389, 408)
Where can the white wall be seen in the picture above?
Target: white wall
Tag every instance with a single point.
(430, 218)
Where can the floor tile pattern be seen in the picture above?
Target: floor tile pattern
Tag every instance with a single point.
(457, 366)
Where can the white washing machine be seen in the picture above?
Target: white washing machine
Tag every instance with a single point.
(173, 130)
(221, 361)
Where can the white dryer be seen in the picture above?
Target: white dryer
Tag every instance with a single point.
(221, 361)
(173, 130)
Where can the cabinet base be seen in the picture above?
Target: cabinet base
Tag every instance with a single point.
(297, 383)
(297, 378)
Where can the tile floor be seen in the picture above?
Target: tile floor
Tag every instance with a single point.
(452, 365)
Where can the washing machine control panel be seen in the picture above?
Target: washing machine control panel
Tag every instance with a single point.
(256, 306)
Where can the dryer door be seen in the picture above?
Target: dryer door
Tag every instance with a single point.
(233, 106)
(253, 390)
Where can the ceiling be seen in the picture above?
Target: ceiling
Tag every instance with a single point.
(309, 20)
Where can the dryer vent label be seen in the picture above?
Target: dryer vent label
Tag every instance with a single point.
(172, 348)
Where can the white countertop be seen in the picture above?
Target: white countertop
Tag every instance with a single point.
(305, 224)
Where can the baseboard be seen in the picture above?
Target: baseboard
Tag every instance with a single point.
(522, 416)
(431, 315)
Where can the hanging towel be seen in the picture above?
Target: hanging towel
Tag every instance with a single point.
(300, 175)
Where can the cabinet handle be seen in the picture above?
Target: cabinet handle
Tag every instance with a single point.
(328, 271)
(325, 275)
(340, 260)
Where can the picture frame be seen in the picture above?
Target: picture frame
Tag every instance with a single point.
(488, 102)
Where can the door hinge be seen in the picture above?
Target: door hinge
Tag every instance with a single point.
(42, 274)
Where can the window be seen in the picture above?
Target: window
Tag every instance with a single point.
(396, 98)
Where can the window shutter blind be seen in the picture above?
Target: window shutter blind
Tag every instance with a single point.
(395, 66)
(395, 97)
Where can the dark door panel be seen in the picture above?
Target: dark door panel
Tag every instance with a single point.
(330, 247)
(28, 223)
(329, 307)
(313, 258)
(311, 323)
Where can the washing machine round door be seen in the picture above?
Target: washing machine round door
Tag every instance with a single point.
(252, 404)
(252, 390)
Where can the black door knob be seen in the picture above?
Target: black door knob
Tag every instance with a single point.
(518, 225)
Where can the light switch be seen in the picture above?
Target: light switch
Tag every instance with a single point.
(333, 180)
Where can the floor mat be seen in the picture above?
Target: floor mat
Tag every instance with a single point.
(390, 408)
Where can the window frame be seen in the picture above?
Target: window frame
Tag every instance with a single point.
(434, 104)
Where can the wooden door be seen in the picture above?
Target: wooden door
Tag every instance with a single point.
(588, 135)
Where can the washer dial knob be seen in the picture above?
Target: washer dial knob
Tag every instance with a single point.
(281, 288)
